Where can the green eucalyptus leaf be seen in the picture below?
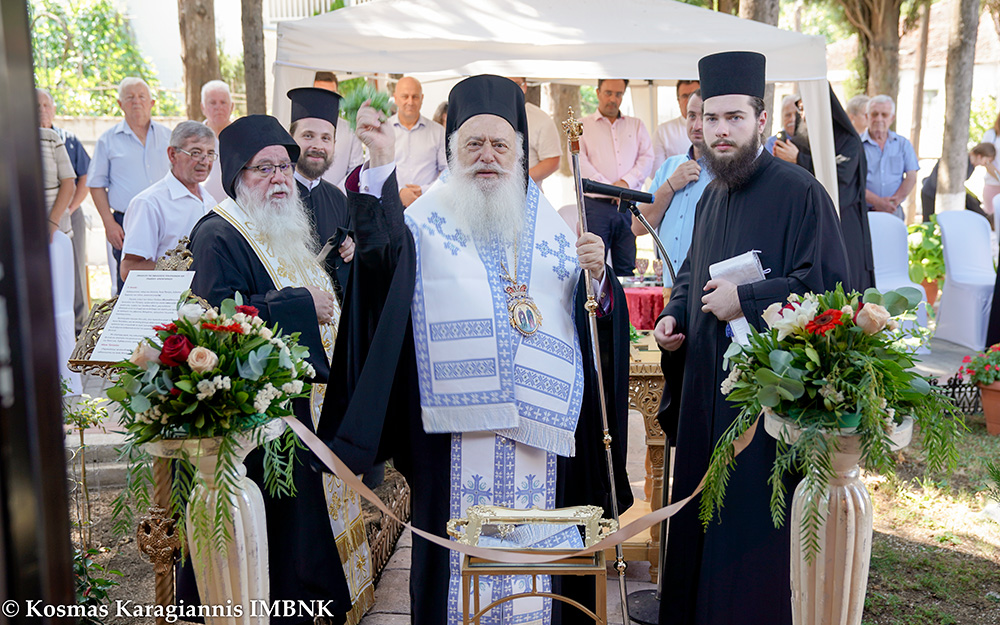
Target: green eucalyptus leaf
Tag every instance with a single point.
(795, 388)
(872, 296)
(139, 403)
(769, 396)
(228, 308)
(895, 303)
(185, 385)
(913, 296)
(920, 385)
(780, 360)
(117, 393)
(766, 377)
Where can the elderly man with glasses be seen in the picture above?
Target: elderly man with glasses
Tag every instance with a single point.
(259, 242)
(159, 216)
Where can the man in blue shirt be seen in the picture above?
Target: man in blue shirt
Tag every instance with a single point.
(677, 187)
(128, 158)
(892, 162)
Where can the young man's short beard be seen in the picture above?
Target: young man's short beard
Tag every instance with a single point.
(736, 169)
(491, 209)
(282, 223)
(312, 170)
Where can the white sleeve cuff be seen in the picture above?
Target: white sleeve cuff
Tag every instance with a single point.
(372, 179)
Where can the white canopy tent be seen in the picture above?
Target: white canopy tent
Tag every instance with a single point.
(567, 41)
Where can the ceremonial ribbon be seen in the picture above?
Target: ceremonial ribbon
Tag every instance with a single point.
(342, 471)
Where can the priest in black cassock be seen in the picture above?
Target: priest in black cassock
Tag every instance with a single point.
(259, 242)
(737, 572)
(314, 128)
(463, 351)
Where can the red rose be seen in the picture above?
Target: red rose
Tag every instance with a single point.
(175, 350)
(175, 391)
(248, 310)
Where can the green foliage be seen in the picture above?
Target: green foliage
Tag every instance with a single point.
(926, 251)
(352, 101)
(981, 118)
(82, 49)
(829, 362)
(825, 19)
(993, 491)
(93, 582)
(231, 69)
(588, 99)
(86, 412)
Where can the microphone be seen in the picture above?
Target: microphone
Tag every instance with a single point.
(589, 186)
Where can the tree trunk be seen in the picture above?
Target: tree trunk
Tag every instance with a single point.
(765, 11)
(883, 52)
(253, 56)
(725, 6)
(198, 51)
(918, 100)
(958, 102)
(563, 98)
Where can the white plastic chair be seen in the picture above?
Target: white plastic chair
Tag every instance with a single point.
(61, 261)
(969, 277)
(891, 258)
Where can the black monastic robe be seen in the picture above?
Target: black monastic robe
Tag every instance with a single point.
(326, 206)
(303, 558)
(372, 409)
(852, 179)
(737, 573)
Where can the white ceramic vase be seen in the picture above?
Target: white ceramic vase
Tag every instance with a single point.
(831, 589)
(238, 577)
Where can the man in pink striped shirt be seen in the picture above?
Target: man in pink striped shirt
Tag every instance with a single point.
(615, 149)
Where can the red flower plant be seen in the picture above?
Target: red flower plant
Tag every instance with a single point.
(175, 350)
(232, 327)
(248, 310)
(170, 327)
(824, 322)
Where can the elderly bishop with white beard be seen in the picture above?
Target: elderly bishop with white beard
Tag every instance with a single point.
(464, 352)
(260, 243)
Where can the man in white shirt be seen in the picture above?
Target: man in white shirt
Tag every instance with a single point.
(348, 152)
(671, 138)
(544, 146)
(420, 155)
(217, 106)
(166, 211)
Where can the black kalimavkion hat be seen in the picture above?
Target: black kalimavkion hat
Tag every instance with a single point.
(732, 73)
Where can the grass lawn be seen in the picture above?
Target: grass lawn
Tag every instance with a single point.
(935, 555)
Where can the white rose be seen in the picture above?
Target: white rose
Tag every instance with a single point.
(190, 311)
(211, 315)
(872, 318)
(202, 359)
(265, 332)
(144, 354)
(848, 311)
(772, 314)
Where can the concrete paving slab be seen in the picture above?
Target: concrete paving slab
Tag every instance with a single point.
(377, 618)
(392, 595)
(400, 559)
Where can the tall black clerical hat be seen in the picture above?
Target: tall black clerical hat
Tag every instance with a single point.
(488, 95)
(240, 141)
(732, 73)
(314, 102)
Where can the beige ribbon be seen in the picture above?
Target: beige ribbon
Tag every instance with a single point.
(342, 471)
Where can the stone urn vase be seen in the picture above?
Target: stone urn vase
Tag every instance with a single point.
(239, 575)
(990, 396)
(830, 590)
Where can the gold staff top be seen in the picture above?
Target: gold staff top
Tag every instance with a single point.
(574, 130)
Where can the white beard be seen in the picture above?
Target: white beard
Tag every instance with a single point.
(282, 224)
(491, 209)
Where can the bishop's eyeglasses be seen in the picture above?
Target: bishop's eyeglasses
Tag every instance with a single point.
(267, 169)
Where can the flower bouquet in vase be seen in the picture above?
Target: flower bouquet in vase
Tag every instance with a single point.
(983, 370)
(833, 382)
(210, 388)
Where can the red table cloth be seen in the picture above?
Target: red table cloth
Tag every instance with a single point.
(644, 304)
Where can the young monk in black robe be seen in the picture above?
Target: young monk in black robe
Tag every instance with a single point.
(737, 573)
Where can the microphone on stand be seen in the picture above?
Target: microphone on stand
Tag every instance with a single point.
(589, 186)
